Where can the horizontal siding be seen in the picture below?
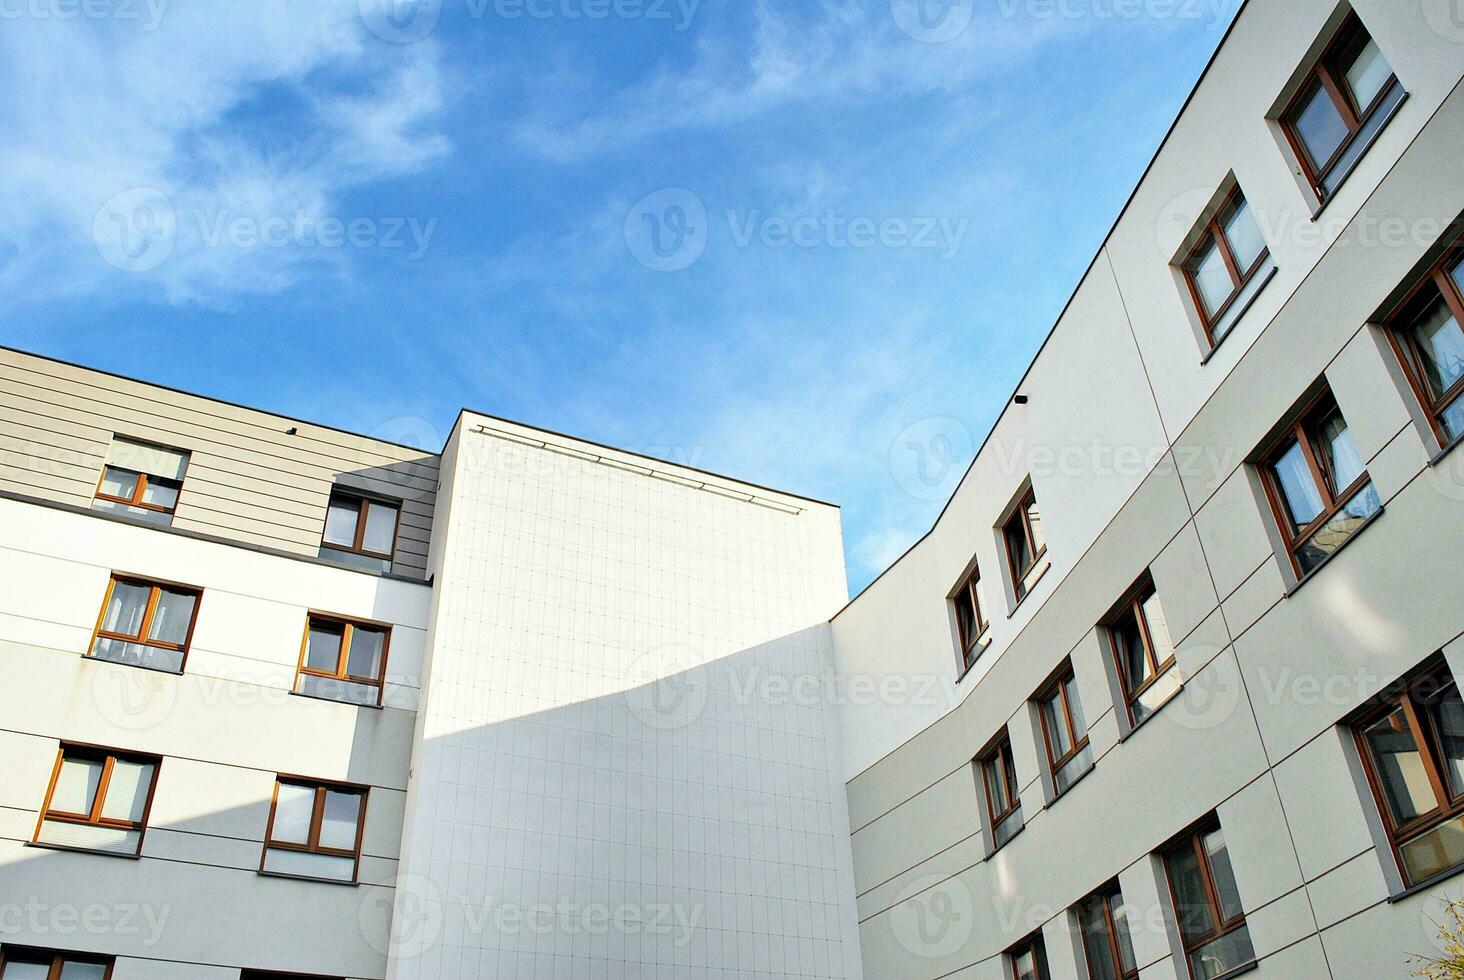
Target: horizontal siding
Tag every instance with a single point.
(248, 480)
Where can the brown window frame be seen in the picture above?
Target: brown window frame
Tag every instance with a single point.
(317, 818)
(109, 757)
(1334, 499)
(10, 954)
(1195, 838)
(1035, 945)
(143, 480)
(970, 591)
(1214, 230)
(1000, 756)
(1351, 37)
(364, 501)
(1441, 278)
(157, 586)
(1020, 514)
(1134, 606)
(1058, 686)
(348, 630)
(1103, 896)
(1412, 698)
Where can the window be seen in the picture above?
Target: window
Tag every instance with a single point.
(1026, 545)
(1318, 485)
(971, 622)
(360, 531)
(1029, 960)
(98, 800)
(267, 975)
(342, 660)
(1413, 749)
(315, 830)
(1231, 250)
(1064, 731)
(1003, 805)
(146, 624)
(1426, 333)
(1104, 927)
(1341, 107)
(1207, 904)
(141, 480)
(1143, 654)
(18, 964)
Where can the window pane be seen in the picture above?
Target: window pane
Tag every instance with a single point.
(1434, 852)
(1025, 965)
(1336, 532)
(965, 618)
(1399, 768)
(26, 970)
(1157, 695)
(1319, 127)
(127, 790)
(1158, 629)
(1453, 420)
(338, 829)
(126, 608)
(1057, 732)
(1220, 870)
(1021, 555)
(996, 787)
(1211, 278)
(1448, 718)
(307, 865)
(118, 483)
(1034, 521)
(1244, 235)
(76, 788)
(138, 655)
(1096, 943)
(1298, 487)
(1440, 345)
(294, 810)
(82, 971)
(1076, 768)
(1227, 953)
(1075, 707)
(173, 617)
(1344, 459)
(1121, 927)
(381, 524)
(1190, 901)
(1368, 75)
(324, 649)
(1130, 647)
(364, 659)
(340, 522)
(160, 494)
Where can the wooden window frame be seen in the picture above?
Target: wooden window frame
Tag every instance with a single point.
(317, 818)
(1057, 688)
(1000, 756)
(1103, 897)
(1195, 838)
(1334, 499)
(109, 757)
(59, 959)
(1413, 698)
(1020, 513)
(1037, 948)
(348, 630)
(970, 592)
(1134, 606)
(364, 501)
(140, 490)
(1239, 278)
(1441, 278)
(157, 586)
(1349, 40)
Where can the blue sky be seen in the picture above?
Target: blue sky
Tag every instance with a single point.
(808, 243)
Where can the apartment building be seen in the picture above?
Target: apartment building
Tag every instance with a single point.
(1168, 692)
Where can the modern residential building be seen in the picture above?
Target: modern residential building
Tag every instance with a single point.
(1167, 692)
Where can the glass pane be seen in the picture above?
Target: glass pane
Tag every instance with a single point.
(1319, 127)
(1227, 953)
(1025, 965)
(1016, 536)
(306, 865)
(26, 970)
(294, 810)
(1434, 852)
(381, 524)
(76, 787)
(1130, 646)
(1448, 718)
(1244, 235)
(1344, 459)
(118, 483)
(1453, 420)
(90, 837)
(126, 608)
(1076, 769)
(1158, 629)
(127, 790)
(173, 617)
(1007, 829)
(1121, 927)
(996, 787)
(1075, 707)
(324, 649)
(1336, 532)
(1298, 487)
(1399, 768)
(1368, 75)
(340, 522)
(137, 655)
(1440, 345)
(1224, 877)
(1096, 943)
(1034, 521)
(1190, 901)
(1157, 695)
(72, 970)
(161, 494)
(1211, 278)
(965, 619)
(337, 690)
(1057, 732)
(364, 659)
(338, 829)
